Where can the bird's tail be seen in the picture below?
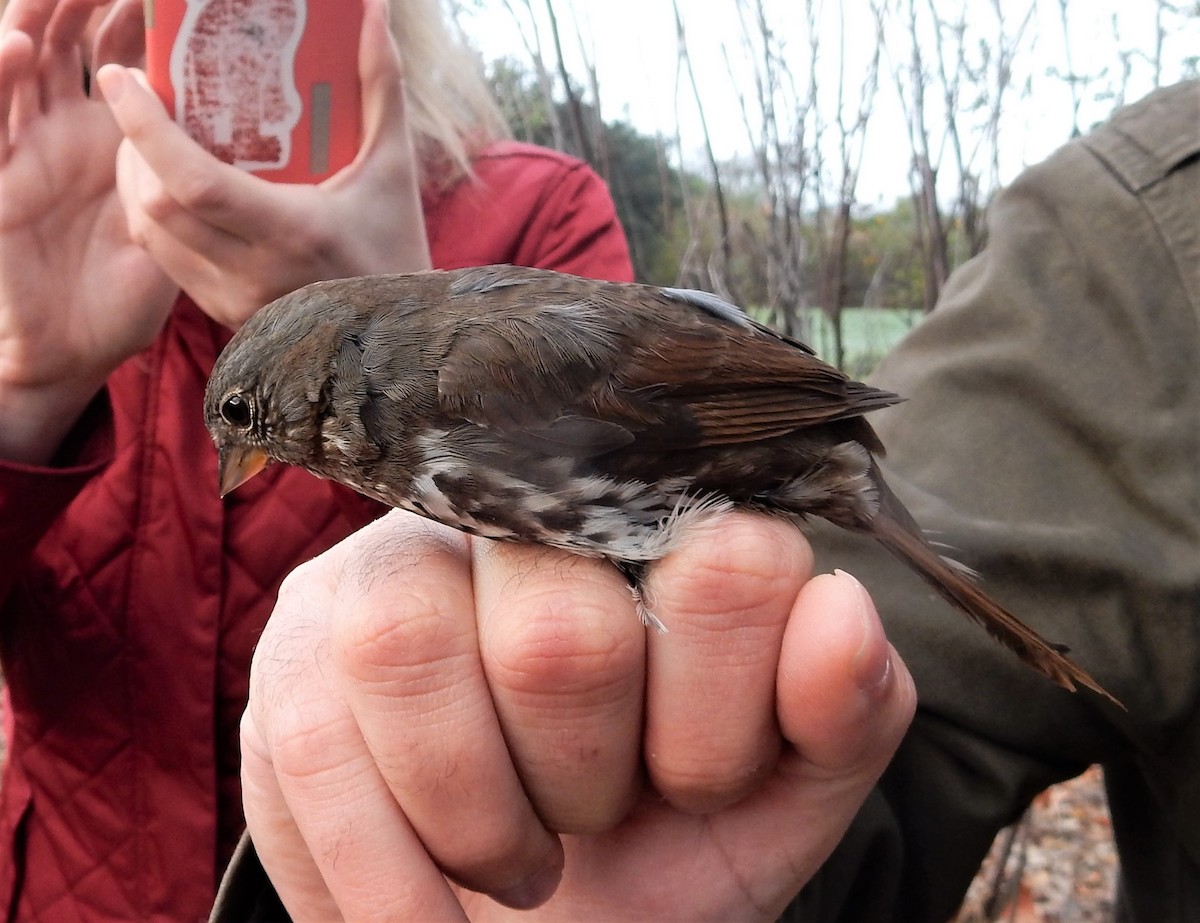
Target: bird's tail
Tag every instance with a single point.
(896, 531)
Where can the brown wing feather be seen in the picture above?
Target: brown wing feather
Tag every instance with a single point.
(633, 356)
(742, 385)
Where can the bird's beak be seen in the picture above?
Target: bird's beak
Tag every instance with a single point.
(238, 464)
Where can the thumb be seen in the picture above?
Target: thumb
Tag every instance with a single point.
(381, 74)
(844, 696)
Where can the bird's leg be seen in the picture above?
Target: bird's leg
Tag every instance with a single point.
(634, 572)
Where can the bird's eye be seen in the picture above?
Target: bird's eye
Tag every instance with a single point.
(236, 410)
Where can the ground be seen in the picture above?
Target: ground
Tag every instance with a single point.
(1058, 865)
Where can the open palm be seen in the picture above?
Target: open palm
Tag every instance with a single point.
(77, 296)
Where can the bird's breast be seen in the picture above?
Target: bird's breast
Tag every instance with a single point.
(499, 493)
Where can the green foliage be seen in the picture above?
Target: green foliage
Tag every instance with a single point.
(647, 194)
(884, 266)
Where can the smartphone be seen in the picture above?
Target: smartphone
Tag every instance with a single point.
(270, 86)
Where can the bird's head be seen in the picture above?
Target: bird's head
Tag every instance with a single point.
(264, 397)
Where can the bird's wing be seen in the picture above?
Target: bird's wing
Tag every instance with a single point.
(592, 371)
(740, 382)
(522, 374)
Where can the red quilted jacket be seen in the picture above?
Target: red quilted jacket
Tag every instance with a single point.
(133, 596)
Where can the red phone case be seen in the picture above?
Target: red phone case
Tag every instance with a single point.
(268, 85)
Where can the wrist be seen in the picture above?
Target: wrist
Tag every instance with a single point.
(34, 420)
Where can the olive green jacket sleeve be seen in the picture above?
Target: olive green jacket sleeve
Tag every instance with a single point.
(1051, 441)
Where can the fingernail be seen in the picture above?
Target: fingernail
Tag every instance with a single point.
(111, 78)
(872, 663)
(533, 891)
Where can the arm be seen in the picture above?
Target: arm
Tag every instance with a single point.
(32, 496)
(1048, 441)
(530, 207)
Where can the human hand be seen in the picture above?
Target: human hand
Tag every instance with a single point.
(431, 714)
(234, 241)
(77, 296)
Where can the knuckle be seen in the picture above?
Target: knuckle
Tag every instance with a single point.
(307, 240)
(756, 565)
(139, 223)
(200, 190)
(393, 599)
(253, 745)
(291, 653)
(755, 547)
(286, 648)
(565, 643)
(310, 579)
(304, 738)
(156, 205)
(399, 638)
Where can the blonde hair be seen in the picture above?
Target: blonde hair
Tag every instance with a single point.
(451, 112)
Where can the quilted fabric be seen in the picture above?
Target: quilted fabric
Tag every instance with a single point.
(133, 595)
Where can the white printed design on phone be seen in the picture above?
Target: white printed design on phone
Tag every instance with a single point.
(233, 69)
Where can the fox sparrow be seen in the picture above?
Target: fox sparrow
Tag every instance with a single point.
(598, 417)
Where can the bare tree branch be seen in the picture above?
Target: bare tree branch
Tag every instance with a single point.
(533, 48)
(721, 279)
(579, 132)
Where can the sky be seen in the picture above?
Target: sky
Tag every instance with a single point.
(633, 44)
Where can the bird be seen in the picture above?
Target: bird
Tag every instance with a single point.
(603, 418)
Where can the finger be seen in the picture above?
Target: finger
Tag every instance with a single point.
(164, 227)
(369, 859)
(66, 27)
(382, 79)
(564, 651)
(34, 16)
(16, 66)
(845, 697)
(213, 192)
(28, 16)
(281, 848)
(845, 700)
(137, 185)
(121, 38)
(58, 51)
(315, 799)
(206, 261)
(61, 54)
(405, 641)
(725, 596)
(222, 273)
(62, 78)
(26, 102)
